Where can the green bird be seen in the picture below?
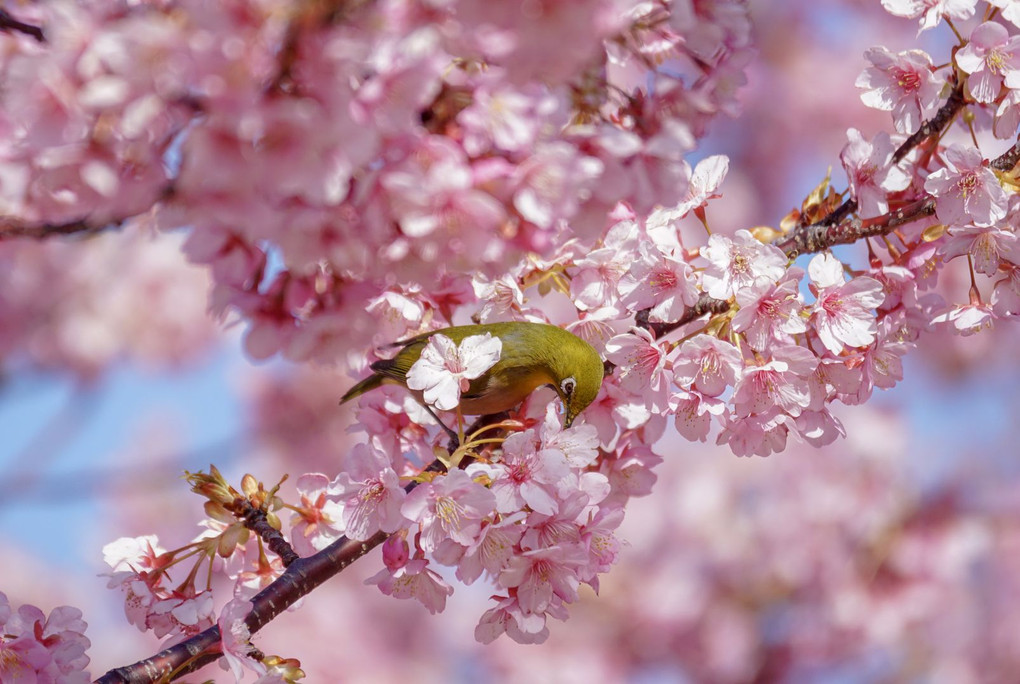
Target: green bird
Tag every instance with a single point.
(533, 354)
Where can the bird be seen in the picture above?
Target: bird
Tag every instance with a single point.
(533, 355)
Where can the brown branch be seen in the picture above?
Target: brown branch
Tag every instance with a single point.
(838, 228)
(704, 305)
(9, 23)
(934, 126)
(301, 577)
(807, 240)
(1008, 159)
(17, 229)
(818, 237)
(12, 228)
(256, 520)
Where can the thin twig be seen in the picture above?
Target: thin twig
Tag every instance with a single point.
(9, 23)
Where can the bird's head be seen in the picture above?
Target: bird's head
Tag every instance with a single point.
(578, 370)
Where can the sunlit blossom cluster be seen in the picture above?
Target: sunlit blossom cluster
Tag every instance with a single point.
(356, 176)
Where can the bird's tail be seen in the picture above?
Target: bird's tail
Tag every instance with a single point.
(366, 385)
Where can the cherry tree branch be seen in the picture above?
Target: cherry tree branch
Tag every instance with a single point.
(839, 227)
(18, 229)
(256, 520)
(9, 23)
(934, 126)
(301, 577)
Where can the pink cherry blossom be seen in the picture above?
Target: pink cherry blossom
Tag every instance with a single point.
(1006, 294)
(525, 475)
(631, 472)
(577, 444)
(503, 117)
(1010, 10)
(445, 368)
(616, 410)
(988, 246)
(966, 190)
(492, 550)
(736, 262)
(903, 84)
(880, 365)
(693, 413)
(780, 383)
(968, 319)
(182, 613)
(450, 506)
(502, 299)
(432, 189)
(509, 618)
(930, 11)
(641, 363)
(543, 575)
(842, 314)
(1007, 116)
(871, 173)
(706, 179)
(597, 279)
(552, 183)
(317, 522)
(236, 638)
(399, 311)
(757, 434)
(368, 494)
(660, 283)
(602, 545)
(770, 312)
(414, 580)
(35, 647)
(707, 364)
(990, 56)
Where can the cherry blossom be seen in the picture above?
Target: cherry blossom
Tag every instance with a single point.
(708, 365)
(524, 475)
(900, 83)
(736, 263)
(968, 319)
(870, 171)
(988, 246)
(445, 368)
(237, 639)
(368, 494)
(642, 362)
(414, 580)
(770, 312)
(450, 506)
(842, 312)
(36, 647)
(930, 11)
(660, 283)
(317, 523)
(542, 576)
(966, 190)
(990, 57)
(1010, 10)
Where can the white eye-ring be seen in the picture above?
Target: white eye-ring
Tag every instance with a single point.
(567, 386)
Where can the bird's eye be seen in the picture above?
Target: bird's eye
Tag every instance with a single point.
(567, 386)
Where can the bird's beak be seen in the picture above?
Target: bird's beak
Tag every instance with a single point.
(568, 421)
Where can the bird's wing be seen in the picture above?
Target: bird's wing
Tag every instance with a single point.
(398, 366)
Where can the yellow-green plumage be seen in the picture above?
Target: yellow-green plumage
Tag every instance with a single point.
(533, 354)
